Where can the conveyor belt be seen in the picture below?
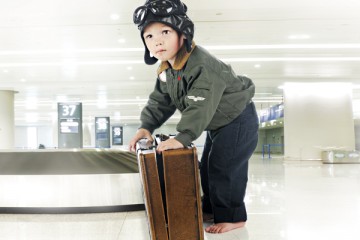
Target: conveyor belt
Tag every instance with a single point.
(69, 181)
(89, 161)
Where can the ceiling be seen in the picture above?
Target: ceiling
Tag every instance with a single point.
(90, 51)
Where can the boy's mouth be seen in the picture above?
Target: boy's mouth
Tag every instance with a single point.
(160, 51)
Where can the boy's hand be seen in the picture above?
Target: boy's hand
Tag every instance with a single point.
(171, 143)
(141, 133)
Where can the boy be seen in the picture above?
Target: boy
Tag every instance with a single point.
(210, 97)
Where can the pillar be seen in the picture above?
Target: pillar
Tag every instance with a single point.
(7, 119)
(317, 116)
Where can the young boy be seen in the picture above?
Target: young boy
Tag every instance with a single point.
(210, 97)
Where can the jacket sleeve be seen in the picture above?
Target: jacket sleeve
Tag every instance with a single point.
(201, 101)
(158, 109)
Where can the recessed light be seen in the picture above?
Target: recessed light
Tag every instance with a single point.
(121, 40)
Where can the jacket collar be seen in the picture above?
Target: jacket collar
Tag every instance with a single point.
(180, 61)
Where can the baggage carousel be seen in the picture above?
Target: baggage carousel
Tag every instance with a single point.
(69, 181)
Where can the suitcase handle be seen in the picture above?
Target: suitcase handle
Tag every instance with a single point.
(144, 144)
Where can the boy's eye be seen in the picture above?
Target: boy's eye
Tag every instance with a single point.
(148, 36)
(166, 31)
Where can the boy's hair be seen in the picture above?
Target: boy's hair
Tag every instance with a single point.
(169, 12)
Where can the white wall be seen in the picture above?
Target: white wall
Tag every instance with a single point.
(47, 136)
(25, 140)
(317, 116)
(357, 134)
(7, 135)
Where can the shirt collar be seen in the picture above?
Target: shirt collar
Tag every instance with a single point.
(180, 60)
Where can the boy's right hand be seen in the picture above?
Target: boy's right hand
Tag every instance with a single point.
(141, 133)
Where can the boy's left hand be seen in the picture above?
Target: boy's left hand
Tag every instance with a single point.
(171, 143)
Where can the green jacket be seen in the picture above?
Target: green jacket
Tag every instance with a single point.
(205, 90)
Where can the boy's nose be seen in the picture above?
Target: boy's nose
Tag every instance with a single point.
(158, 40)
(158, 43)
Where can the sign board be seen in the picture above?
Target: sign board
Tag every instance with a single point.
(117, 135)
(70, 133)
(102, 132)
(272, 113)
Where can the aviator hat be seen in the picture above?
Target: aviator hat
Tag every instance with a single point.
(169, 12)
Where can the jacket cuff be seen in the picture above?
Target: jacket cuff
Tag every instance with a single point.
(184, 138)
(148, 127)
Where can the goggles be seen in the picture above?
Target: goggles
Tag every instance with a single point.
(158, 8)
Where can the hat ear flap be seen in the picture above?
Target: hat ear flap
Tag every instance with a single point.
(148, 59)
(188, 44)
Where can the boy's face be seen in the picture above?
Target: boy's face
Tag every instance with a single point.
(162, 41)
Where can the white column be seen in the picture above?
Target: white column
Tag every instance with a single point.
(7, 119)
(317, 116)
(55, 132)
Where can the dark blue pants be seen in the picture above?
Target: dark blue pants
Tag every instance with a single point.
(224, 166)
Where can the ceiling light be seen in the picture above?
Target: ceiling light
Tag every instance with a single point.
(121, 40)
(293, 59)
(62, 51)
(114, 16)
(217, 47)
(285, 46)
(120, 62)
(101, 104)
(266, 101)
(299, 36)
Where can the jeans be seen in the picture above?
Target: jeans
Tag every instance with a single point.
(224, 166)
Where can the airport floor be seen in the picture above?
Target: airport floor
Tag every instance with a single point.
(286, 200)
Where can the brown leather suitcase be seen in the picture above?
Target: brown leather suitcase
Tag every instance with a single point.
(171, 192)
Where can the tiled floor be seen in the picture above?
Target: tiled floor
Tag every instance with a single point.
(297, 200)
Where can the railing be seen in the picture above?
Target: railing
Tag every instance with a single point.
(268, 146)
